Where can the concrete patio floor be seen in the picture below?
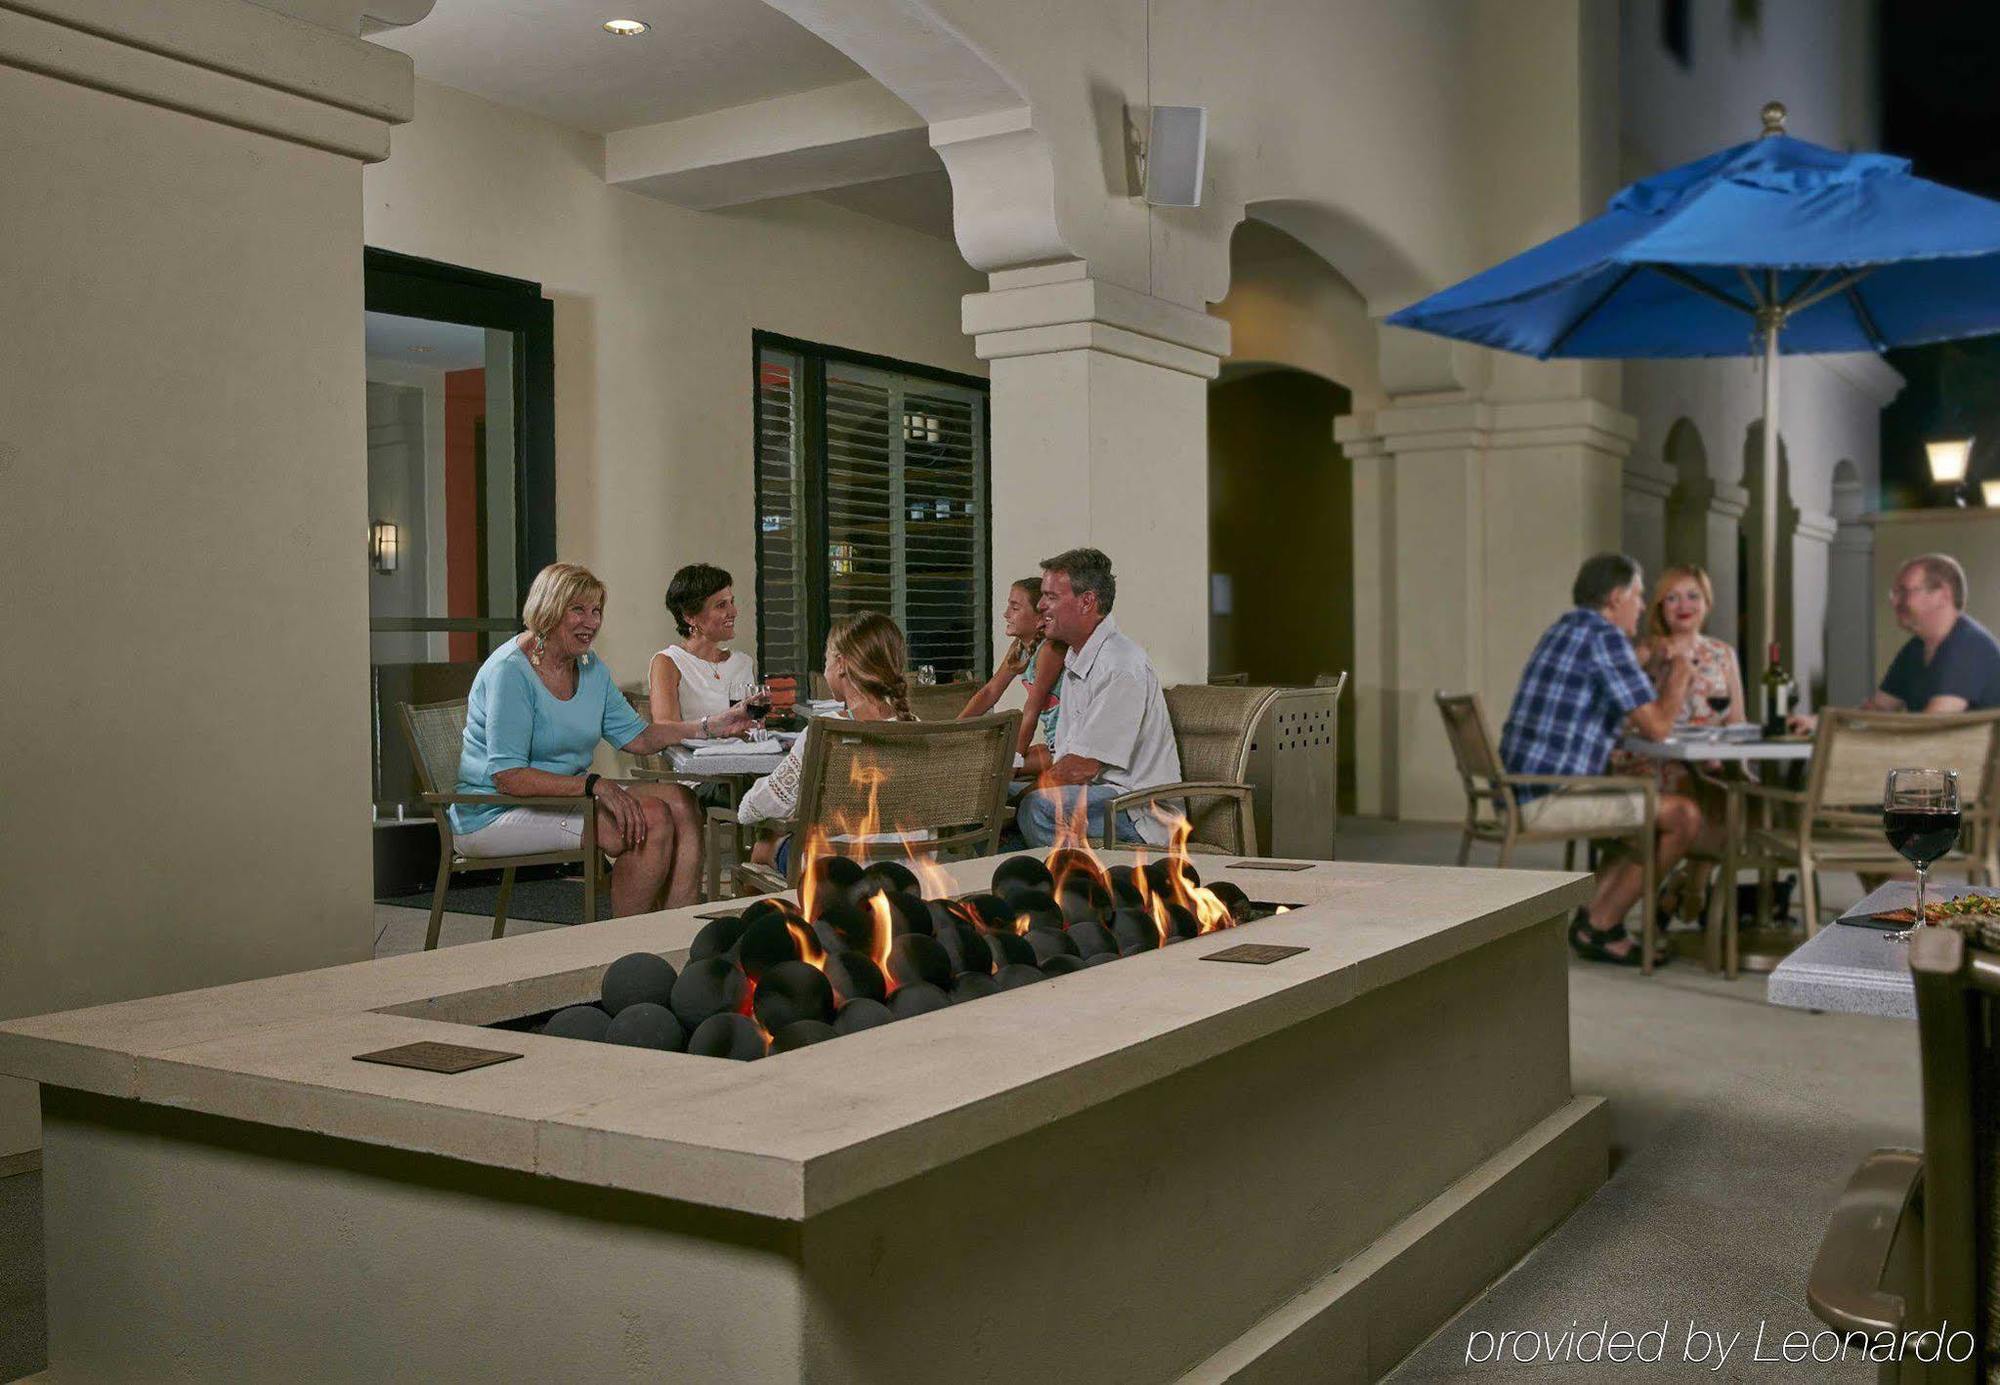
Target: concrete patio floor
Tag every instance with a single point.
(1734, 1126)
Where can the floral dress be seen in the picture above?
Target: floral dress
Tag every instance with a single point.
(1712, 661)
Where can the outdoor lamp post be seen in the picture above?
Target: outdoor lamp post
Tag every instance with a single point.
(1949, 458)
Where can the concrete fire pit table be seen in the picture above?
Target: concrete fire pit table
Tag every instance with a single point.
(1165, 1168)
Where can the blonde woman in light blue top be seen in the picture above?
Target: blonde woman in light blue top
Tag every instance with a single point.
(537, 710)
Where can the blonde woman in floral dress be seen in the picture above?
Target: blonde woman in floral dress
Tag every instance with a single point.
(1675, 620)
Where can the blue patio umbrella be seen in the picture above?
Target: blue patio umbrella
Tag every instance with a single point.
(1773, 246)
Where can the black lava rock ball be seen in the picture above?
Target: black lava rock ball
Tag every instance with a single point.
(1100, 959)
(859, 1014)
(909, 912)
(1125, 891)
(776, 908)
(1181, 923)
(1017, 974)
(635, 978)
(918, 999)
(1062, 964)
(578, 1022)
(764, 944)
(844, 926)
(646, 1025)
(854, 976)
(913, 958)
(1022, 875)
(1065, 862)
(792, 991)
(801, 1034)
(1083, 898)
(728, 1036)
(1049, 942)
(712, 986)
(1009, 949)
(832, 881)
(965, 947)
(890, 875)
(1040, 910)
(717, 937)
(1135, 932)
(1092, 939)
(1233, 899)
(973, 985)
(987, 911)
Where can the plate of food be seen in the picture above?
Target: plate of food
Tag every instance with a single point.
(1893, 905)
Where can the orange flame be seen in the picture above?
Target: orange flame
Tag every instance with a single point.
(809, 949)
(878, 904)
(931, 877)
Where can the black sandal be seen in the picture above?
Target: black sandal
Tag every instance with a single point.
(1588, 942)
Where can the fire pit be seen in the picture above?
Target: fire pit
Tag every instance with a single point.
(861, 946)
(1169, 1164)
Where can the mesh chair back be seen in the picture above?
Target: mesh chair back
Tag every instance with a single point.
(437, 740)
(939, 701)
(946, 777)
(1471, 743)
(1336, 681)
(1214, 729)
(1855, 750)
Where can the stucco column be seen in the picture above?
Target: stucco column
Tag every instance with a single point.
(1850, 604)
(1727, 504)
(183, 460)
(1470, 519)
(1648, 484)
(1100, 437)
(1812, 561)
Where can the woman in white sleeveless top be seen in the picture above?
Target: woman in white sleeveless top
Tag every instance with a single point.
(698, 678)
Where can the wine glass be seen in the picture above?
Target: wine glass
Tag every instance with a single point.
(758, 704)
(1921, 819)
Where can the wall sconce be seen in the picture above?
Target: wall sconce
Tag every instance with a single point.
(1949, 459)
(1989, 491)
(383, 547)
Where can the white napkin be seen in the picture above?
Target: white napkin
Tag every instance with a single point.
(739, 748)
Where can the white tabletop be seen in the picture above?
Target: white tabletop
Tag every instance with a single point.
(1703, 749)
(726, 765)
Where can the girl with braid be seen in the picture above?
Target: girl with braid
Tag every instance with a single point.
(865, 668)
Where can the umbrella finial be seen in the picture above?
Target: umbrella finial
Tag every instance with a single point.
(1774, 118)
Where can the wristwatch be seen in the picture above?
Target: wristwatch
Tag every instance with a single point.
(590, 783)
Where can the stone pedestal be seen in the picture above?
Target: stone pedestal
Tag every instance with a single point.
(1100, 438)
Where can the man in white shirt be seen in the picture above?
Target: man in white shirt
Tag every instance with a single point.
(1113, 736)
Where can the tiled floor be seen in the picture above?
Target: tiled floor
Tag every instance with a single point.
(1734, 1124)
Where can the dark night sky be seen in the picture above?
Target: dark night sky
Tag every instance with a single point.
(1940, 85)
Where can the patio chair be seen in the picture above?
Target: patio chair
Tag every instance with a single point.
(436, 733)
(946, 778)
(1912, 1245)
(1214, 728)
(940, 701)
(1835, 822)
(1229, 680)
(1493, 813)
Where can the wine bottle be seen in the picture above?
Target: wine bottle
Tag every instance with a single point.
(1777, 686)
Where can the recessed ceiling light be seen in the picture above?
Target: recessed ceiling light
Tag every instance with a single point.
(626, 28)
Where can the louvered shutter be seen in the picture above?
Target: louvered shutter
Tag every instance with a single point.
(896, 472)
(784, 633)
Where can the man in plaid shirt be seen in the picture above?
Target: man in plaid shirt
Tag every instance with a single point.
(1581, 685)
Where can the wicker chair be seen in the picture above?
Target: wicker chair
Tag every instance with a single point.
(940, 701)
(1493, 813)
(436, 733)
(1213, 728)
(949, 778)
(1913, 1242)
(1836, 822)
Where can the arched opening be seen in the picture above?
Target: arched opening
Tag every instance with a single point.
(1281, 494)
(1750, 548)
(1688, 502)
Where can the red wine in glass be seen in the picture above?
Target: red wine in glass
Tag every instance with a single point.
(758, 703)
(1920, 816)
(1718, 703)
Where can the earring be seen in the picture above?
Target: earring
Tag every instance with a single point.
(535, 654)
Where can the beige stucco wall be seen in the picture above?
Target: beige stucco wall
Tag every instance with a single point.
(183, 523)
(1971, 536)
(654, 309)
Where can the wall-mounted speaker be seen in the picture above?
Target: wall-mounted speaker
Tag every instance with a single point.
(1176, 148)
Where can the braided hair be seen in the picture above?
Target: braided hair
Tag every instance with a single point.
(871, 646)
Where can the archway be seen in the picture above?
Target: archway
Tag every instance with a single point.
(1750, 548)
(1687, 504)
(1280, 489)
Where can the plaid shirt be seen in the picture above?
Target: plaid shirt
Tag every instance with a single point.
(1580, 684)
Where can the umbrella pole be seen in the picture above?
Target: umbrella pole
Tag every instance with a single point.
(1771, 321)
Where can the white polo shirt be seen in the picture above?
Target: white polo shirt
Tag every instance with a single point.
(1113, 712)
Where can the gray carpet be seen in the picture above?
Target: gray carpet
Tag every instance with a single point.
(541, 901)
(24, 1341)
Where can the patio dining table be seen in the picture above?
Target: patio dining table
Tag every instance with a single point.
(735, 770)
(1757, 949)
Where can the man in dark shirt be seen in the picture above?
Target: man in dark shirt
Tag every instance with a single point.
(1952, 662)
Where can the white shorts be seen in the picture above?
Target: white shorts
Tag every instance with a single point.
(1585, 810)
(525, 832)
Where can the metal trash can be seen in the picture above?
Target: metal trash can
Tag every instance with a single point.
(1295, 772)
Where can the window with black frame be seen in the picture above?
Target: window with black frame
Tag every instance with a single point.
(871, 496)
